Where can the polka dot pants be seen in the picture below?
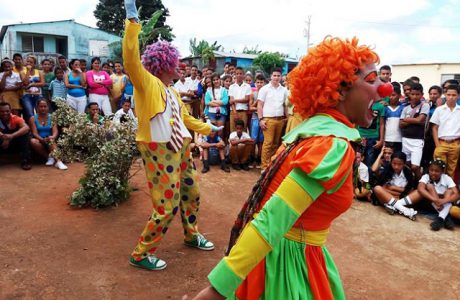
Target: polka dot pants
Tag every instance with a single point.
(173, 186)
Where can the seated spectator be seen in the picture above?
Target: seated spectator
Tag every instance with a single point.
(241, 147)
(10, 86)
(213, 152)
(361, 184)
(94, 114)
(125, 114)
(395, 182)
(382, 161)
(44, 134)
(437, 188)
(14, 135)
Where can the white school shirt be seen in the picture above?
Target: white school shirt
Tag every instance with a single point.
(363, 172)
(192, 83)
(11, 81)
(445, 183)
(160, 126)
(399, 180)
(217, 96)
(120, 113)
(183, 87)
(234, 136)
(240, 92)
(448, 121)
(273, 99)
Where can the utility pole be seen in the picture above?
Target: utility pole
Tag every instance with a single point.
(306, 31)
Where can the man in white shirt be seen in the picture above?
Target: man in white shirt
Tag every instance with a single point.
(183, 87)
(240, 94)
(193, 82)
(272, 115)
(241, 146)
(446, 130)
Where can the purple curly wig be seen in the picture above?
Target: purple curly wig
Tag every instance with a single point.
(160, 56)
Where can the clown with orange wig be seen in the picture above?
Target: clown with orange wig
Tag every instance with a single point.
(163, 140)
(277, 245)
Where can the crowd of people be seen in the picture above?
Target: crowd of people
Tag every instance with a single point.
(410, 135)
(408, 157)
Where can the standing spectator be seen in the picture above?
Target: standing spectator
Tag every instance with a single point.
(118, 87)
(385, 73)
(99, 83)
(412, 123)
(435, 101)
(446, 130)
(57, 87)
(240, 93)
(216, 100)
(226, 70)
(213, 152)
(62, 60)
(44, 135)
(183, 87)
(49, 76)
(33, 83)
(272, 115)
(392, 114)
(10, 86)
(435, 93)
(256, 132)
(75, 82)
(83, 66)
(373, 136)
(193, 81)
(14, 135)
(241, 147)
(407, 87)
(19, 67)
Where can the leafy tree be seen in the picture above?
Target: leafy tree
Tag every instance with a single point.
(197, 48)
(111, 15)
(267, 61)
(253, 50)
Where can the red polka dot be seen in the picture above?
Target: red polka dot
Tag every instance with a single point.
(161, 167)
(150, 185)
(159, 229)
(169, 194)
(141, 239)
(161, 210)
(153, 146)
(152, 250)
(183, 166)
(187, 213)
(177, 185)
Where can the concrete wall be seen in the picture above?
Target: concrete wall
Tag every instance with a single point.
(429, 74)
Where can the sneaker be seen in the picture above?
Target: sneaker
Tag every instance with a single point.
(60, 165)
(437, 224)
(200, 242)
(151, 263)
(25, 165)
(236, 167)
(408, 212)
(50, 161)
(449, 223)
(245, 167)
(225, 168)
(389, 208)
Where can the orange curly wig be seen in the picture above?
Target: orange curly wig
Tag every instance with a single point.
(315, 82)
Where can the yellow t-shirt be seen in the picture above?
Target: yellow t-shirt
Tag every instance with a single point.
(119, 82)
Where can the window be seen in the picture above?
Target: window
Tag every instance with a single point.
(98, 48)
(31, 43)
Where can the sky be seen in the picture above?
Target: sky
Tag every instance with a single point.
(408, 31)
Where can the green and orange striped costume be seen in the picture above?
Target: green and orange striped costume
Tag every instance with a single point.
(281, 253)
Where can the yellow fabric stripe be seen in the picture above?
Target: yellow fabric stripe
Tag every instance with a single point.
(315, 238)
(294, 195)
(248, 251)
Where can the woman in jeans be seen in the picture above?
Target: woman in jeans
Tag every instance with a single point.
(99, 83)
(33, 82)
(75, 82)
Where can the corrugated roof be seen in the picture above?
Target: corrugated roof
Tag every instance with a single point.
(241, 55)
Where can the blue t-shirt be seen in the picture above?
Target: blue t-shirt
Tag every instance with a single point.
(212, 140)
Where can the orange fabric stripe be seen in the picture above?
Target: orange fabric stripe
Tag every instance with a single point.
(317, 273)
(311, 161)
(344, 168)
(253, 287)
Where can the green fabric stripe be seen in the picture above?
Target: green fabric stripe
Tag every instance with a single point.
(308, 184)
(223, 279)
(331, 161)
(274, 220)
(334, 278)
(287, 273)
(321, 125)
(344, 178)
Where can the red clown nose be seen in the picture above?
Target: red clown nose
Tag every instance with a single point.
(385, 90)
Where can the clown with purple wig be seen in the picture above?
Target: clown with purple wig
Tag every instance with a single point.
(163, 140)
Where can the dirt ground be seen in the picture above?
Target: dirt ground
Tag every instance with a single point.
(49, 250)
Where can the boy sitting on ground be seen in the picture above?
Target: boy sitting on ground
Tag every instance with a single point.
(241, 147)
(213, 152)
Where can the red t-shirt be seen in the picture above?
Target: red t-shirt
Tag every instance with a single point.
(13, 125)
